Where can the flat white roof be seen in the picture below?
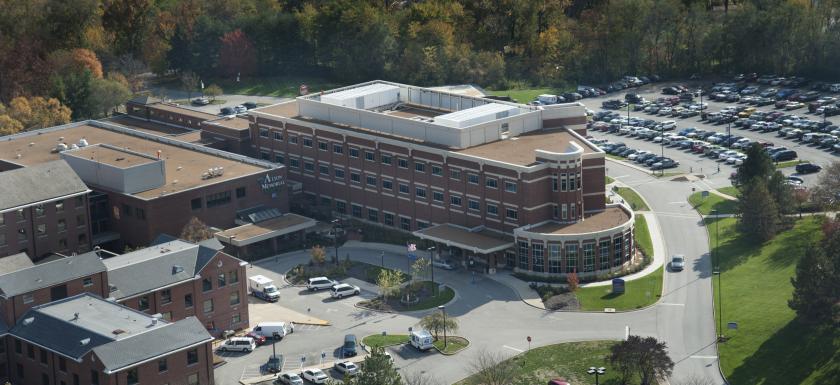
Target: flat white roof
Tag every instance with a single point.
(360, 91)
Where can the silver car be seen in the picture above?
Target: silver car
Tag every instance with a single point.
(677, 262)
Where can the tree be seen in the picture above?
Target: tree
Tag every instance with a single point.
(781, 192)
(420, 269)
(757, 165)
(573, 281)
(389, 282)
(378, 370)
(434, 323)
(490, 368)
(75, 90)
(646, 357)
(816, 285)
(801, 196)
(827, 191)
(212, 91)
(108, 94)
(420, 378)
(196, 231)
(759, 215)
(32, 113)
(190, 82)
(237, 55)
(318, 254)
(75, 61)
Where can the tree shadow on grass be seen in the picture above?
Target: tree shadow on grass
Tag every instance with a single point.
(793, 243)
(611, 295)
(791, 355)
(735, 247)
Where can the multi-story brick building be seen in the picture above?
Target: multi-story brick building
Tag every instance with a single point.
(178, 279)
(43, 210)
(84, 339)
(501, 184)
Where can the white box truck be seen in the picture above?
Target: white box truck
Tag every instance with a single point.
(263, 287)
(422, 339)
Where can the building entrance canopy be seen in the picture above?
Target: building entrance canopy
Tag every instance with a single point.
(254, 232)
(478, 241)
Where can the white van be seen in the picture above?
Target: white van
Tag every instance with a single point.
(267, 329)
(422, 340)
(238, 344)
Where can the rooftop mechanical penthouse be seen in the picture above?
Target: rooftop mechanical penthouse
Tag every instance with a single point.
(501, 184)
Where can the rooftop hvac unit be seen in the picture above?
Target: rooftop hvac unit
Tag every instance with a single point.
(61, 147)
(74, 146)
(83, 142)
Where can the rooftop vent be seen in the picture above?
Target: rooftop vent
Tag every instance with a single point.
(84, 342)
(28, 321)
(117, 332)
(177, 269)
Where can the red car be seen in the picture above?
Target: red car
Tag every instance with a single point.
(558, 381)
(258, 339)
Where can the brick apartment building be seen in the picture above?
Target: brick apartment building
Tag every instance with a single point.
(501, 184)
(43, 210)
(144, 184)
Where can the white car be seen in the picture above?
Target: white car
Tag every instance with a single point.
(344, 290)
(315, 376)
(638, 154)
(346, 368)
(240, 109)
(727, 154)
(665, 111)
(289, 379)
(733, 159)
(318, 283)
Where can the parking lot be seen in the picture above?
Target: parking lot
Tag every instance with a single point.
(690, 162)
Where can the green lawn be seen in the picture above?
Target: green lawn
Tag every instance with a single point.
(632, 198)
(637, 294)
(274, 86)
(568, 360)
(642, 233)
(731, 191)
(712, 202)
(790, 163)
(378, 340)
(453, 344)
(608, 180)
(524, 95)
(441, 298)
(769, 347)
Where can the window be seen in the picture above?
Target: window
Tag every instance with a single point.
(2, 219)
(30, 351)
(126, 210)
(188, 301)
(2, 239)
(235, 319)
(59, 206)
(604, 254)
(265, 155)
(455, 174)
(143, 303)
(553, 183)
(420, 192)
(221, 279)
(554, 259)
(403, 188)
(473, 205)
(405, 223)
(62, 225)
(388, 219)
(492, 210)
(574, 211)
(355, 177)
(579, 185)
(511, 214)
(385, 159)
(617, 243)
(437, 170)
(21, 215)
(539, 263)
(455, 200)
(45, 379)
(279, 158)
(323, 146)
(387, 184)
(293, 139)
(294, 163)
(192, 379)
(419, 167)
(263, 133)
(208, 306)
(564, 211)
(206, 284)
(195, 204)
(132, 376)
(233, 276)
(39, 210)
(369, 155)
(356, 211)
(234, 298)
(21, 235)
(324, 169)
(354, 152)
(572, 182)
(18, 347)
(422, 225)
(28, 298)
(563, 182)
(80, 202)
(341, 207)
(491, 183)
(339, 173)
(437, 196)
(308, 166)
(402, 163)
(338, 149)
(588, 257)
(371, 180)
(62, 364)
(165, 296)
(82, 239)
(555, 211)
(192, 356)
(20, 371)
(43, 354)
(523, 255)
(278, 135)
(307, 142)
(373, 215)
(41, 229)
(240, 192)
(87, 282)
(217, 199)
(571, 257)
(472, 178)
(162, 365)
(80, 220)
(75, 379)
(510, 187)
(140, 213)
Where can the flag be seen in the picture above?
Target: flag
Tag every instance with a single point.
(412, 247)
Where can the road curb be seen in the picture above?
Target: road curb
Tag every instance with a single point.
(454, 298)
(469, 343)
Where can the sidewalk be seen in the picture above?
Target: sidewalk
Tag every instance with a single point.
(658, 252)
(260, 311)
(528, 295)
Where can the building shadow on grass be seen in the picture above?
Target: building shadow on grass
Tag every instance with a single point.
(791, 355)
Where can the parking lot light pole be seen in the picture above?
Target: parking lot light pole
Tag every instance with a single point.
(432, 266)
(275, 336)
(728, 134)
(597, 372)
(443, 310)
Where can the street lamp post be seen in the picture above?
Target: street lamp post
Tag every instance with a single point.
(728, 133)
(382, 257)
(597, 372)
(274, 336)
(443, 311)
(432, 266)
(335, 224)
(716, 258)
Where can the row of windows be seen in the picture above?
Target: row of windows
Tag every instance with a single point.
(537, 256)
(566, 182)
(23, 236)
(217, 199)
(40, 210)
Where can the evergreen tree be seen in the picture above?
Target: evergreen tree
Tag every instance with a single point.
(816, 286)
(759, 214)
(377, 369)
(757, 165)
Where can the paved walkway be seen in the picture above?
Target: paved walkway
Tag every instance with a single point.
(528, 295)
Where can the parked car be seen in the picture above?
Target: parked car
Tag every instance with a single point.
(318, 283)
(249, 105)
(349, 347)
(664, 164)
(238, 344)
(677, 262)
(258, 339)
(346, 368)
(201, 101)
(784, 155)
(315, 376)
(344, 290)
(288, 379)
(807, 168)
(227, 111)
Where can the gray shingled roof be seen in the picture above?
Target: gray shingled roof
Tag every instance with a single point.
(159, 265)
(122, 354)
(49, 274)
(14, 262)
(38, 183)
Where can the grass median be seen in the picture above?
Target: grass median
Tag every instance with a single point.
(642, 233)
(453, 344)
(632, 198)
(608, 180)
(769, 346)
(638, 293)
(380, 341)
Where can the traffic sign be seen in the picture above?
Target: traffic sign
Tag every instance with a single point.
(323, 355)
(529, 338)
(302, 358)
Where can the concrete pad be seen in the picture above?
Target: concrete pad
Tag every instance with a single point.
(260, 311)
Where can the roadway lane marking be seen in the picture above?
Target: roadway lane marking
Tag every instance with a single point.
(704, 357)
(513, 348)
(622, 176)
(671, 304)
